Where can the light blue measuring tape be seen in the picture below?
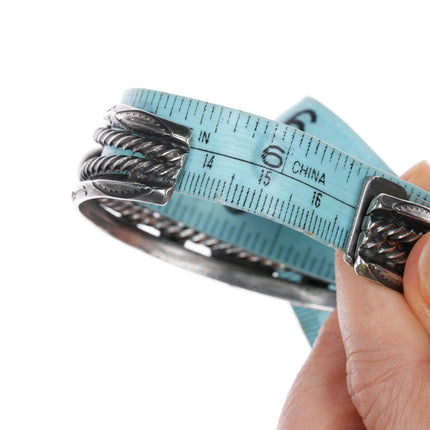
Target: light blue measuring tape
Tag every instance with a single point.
(254, 183)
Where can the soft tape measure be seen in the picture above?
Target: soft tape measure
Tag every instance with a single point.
(266, 200)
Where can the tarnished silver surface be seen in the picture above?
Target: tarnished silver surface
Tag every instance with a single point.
(386, 232)
(113, 188)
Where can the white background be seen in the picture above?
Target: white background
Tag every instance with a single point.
(96, 335)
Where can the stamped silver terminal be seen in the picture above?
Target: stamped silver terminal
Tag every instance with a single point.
(142, 123)
(385, 228)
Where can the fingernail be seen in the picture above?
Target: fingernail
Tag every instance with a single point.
(424, 271)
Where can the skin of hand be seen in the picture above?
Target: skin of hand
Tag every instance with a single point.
(370, 365)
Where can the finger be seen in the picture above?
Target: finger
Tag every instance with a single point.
(319, 398)
(387, 349)
(416, 278)
(419, 175)
(387, 353)
(416, 281)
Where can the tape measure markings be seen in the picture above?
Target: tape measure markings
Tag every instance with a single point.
(261, 202)
(279, 172)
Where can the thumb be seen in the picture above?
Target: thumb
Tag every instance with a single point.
(387, 353)
(416, 277)
(416, 281)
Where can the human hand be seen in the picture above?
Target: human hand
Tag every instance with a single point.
(370, 366)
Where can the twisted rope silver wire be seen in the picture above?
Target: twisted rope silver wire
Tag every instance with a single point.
(149, 147)
(159, 168)
(136, 214)
(139, 168)
(390, 241)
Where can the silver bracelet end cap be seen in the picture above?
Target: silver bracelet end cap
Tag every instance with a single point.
(385, 228)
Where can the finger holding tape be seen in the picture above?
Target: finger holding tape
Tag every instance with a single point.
(386, 348)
